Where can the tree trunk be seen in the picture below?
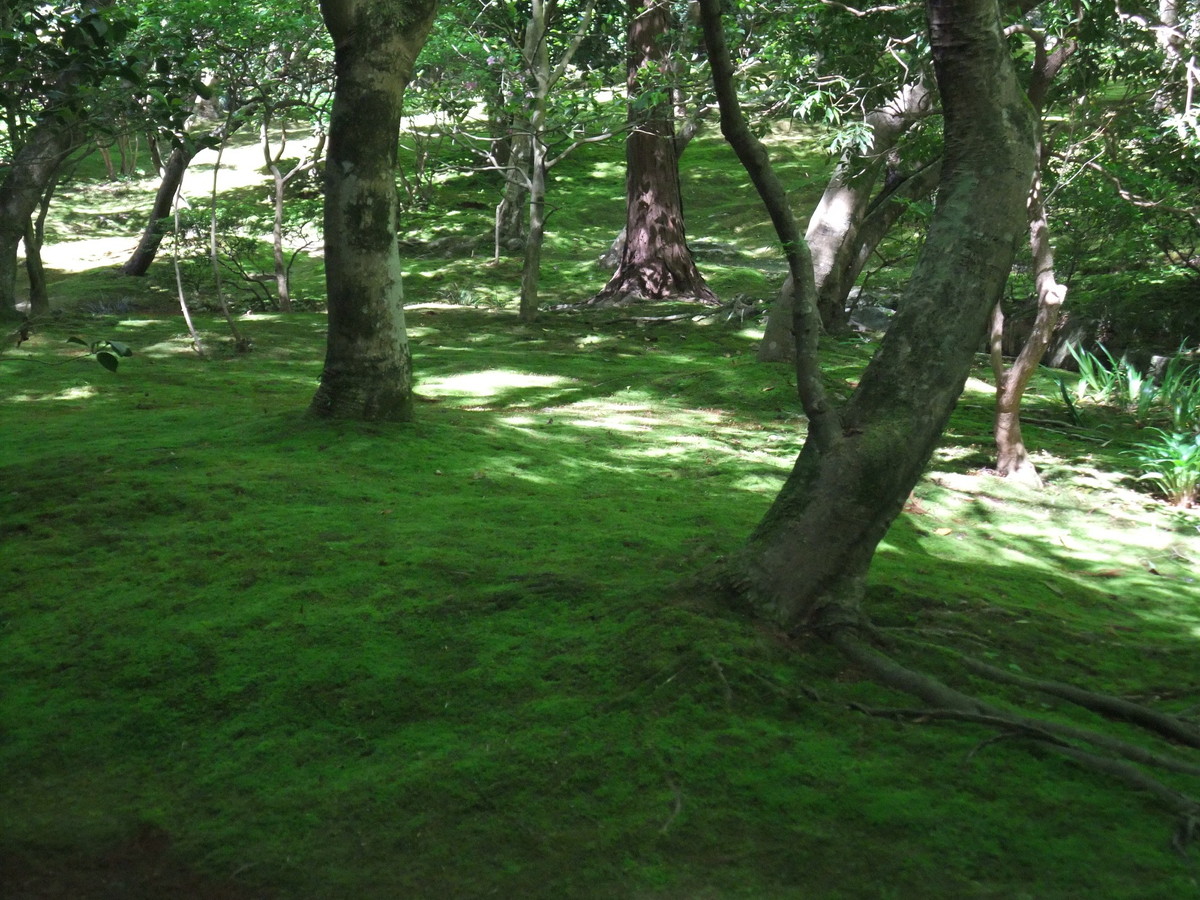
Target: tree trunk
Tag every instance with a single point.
(35, 237)
(835, 225)
(368, 368)
(34, 168)
(39, 297)
(164, 200)
(806, 563)
(656, 263)
(611, 258)
(511, 232)
(1012, 457)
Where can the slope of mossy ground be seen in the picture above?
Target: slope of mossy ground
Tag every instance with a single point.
(249, 654)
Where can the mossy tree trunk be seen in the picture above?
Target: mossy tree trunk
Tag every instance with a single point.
(807, 561)
(656, 262)
(368, 369)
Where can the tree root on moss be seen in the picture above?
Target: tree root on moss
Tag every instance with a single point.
(1101, 753)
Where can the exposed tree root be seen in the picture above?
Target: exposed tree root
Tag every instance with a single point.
(1106, 754)
(1114, 707)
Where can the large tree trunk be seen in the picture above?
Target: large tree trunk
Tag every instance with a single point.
(656, 263)
(368, 369)
(172, 177)
(692, 125)
(835, 227)
(807, 561)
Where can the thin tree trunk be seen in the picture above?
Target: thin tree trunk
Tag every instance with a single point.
(1012, 457)
(656, 263)
(537, 64)
(214, 253)
(511, 232)
(806, 324)
(807, 561)
(368, 366)
(39, 297)
(197, 343)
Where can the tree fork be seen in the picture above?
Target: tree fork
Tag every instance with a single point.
(806, 563)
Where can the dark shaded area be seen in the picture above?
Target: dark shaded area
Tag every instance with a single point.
(140, 867)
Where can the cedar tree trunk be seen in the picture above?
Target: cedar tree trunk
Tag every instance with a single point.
(368, 369)
(807, 561)
(656, 263)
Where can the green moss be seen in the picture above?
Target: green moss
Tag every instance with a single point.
(461, 657)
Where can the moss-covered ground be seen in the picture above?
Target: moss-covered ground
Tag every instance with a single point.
(249, 654)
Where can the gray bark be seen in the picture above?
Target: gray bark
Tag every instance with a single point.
(368, 368)
(835, 227)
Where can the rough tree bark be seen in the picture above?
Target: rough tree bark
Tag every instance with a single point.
(806, 562)
(835, 233)
(368, 369)
(656, 263)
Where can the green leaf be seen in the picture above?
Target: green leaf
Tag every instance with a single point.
(108, 360)
(77, 340)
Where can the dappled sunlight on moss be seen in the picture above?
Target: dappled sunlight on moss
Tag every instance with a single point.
(487, 384)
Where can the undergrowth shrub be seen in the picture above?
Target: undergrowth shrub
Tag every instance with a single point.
(1170, 460)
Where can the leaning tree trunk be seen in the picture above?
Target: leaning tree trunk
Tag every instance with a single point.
(834, 227)
(806, 563)
(656, 263)
(368, 369)
(164, 201)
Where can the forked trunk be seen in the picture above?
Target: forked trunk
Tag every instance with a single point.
(368, 369)
(33, 170)
(807, 561)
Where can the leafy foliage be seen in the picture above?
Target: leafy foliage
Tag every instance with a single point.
(1171, 461)
(108, 353)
